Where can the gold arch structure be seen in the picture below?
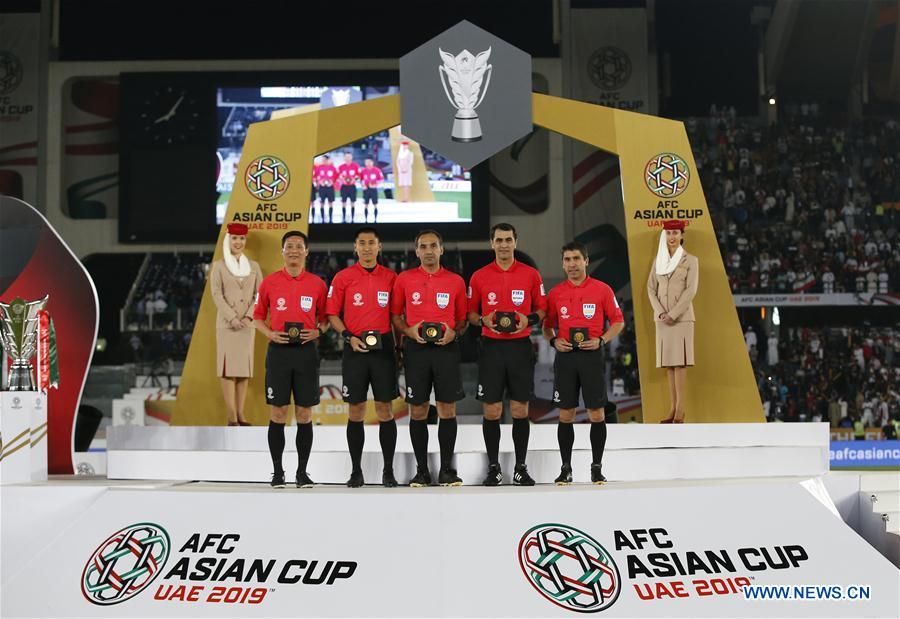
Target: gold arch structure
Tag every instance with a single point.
(721, 386)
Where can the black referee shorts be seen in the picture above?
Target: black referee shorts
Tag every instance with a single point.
(583, 370)
(326, 193)
(348, 192)
(428, 366)
(505, 366)
(292, 369)
(377, 368)
(370, 195)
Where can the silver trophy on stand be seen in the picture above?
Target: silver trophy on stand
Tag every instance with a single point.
(465, 74)
(18, 336)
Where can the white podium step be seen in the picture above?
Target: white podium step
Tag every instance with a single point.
(634, 452)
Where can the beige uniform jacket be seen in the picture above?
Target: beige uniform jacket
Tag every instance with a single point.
(233, 296)
(673, 294)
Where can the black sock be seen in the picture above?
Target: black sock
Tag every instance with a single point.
(276, 445)
(491, 430)
(565, 434)
(598, 440)
(521, 430)
(418, 434)
(387, 435)
(447, 440)
(304, 444)
(356, 438)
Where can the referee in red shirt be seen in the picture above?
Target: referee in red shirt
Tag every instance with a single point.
(580, 302)
(291, 295)
(431, 294)
(358, 307)
(506, 362)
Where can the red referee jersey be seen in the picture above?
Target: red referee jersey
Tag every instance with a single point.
(348, 173)
(371, 177)
(364, 298)
(283, 298)
(326, 175)
(423, 296)
(588, 305)
(517, 289)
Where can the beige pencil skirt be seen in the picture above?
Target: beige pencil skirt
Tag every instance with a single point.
(675, 344)
(234, 352)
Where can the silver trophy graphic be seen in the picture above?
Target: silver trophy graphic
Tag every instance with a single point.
(465, 74)
(18, 335)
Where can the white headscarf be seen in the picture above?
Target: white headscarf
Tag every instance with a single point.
(665, 263)
(239, 267)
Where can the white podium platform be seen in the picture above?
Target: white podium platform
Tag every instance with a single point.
(95, 548)
(634, 452)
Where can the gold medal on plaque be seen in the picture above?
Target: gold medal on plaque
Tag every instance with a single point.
(577, 336)
(293, 330)
(505, 322)
(432, 331)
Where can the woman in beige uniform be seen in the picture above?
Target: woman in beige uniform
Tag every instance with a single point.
(234, 281)
(671, 287)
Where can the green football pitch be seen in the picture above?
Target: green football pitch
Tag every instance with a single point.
(462, 198)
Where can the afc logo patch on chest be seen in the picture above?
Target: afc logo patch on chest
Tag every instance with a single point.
(383, 297)
(442, 299)
(518, 297)
(416, 298)
(588, 309)
(306, 303)
(492, 298)
(357, 299)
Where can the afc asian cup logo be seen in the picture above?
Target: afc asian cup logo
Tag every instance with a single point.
(357, 299)
(609, 68)
(569, 568)
(667, 175)
(492, 298)
(10, 72)
(416, 298)
(125, 564)
(267, 178)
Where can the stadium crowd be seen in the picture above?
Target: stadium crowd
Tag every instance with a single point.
(806, 205)
(840, 375)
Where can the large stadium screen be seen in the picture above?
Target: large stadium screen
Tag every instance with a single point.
(384, 178)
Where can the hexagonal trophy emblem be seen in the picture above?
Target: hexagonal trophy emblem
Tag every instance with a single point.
(465, 94)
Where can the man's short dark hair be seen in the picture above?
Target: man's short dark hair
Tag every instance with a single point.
(291, 233)
(506, 228)
(574, 246)
(429, 231)
(367, 230)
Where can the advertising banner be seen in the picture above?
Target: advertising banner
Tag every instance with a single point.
(865, 454)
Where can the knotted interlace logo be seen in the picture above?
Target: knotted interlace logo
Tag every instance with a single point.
(465, 74)
(125, 564)
(569, 568)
